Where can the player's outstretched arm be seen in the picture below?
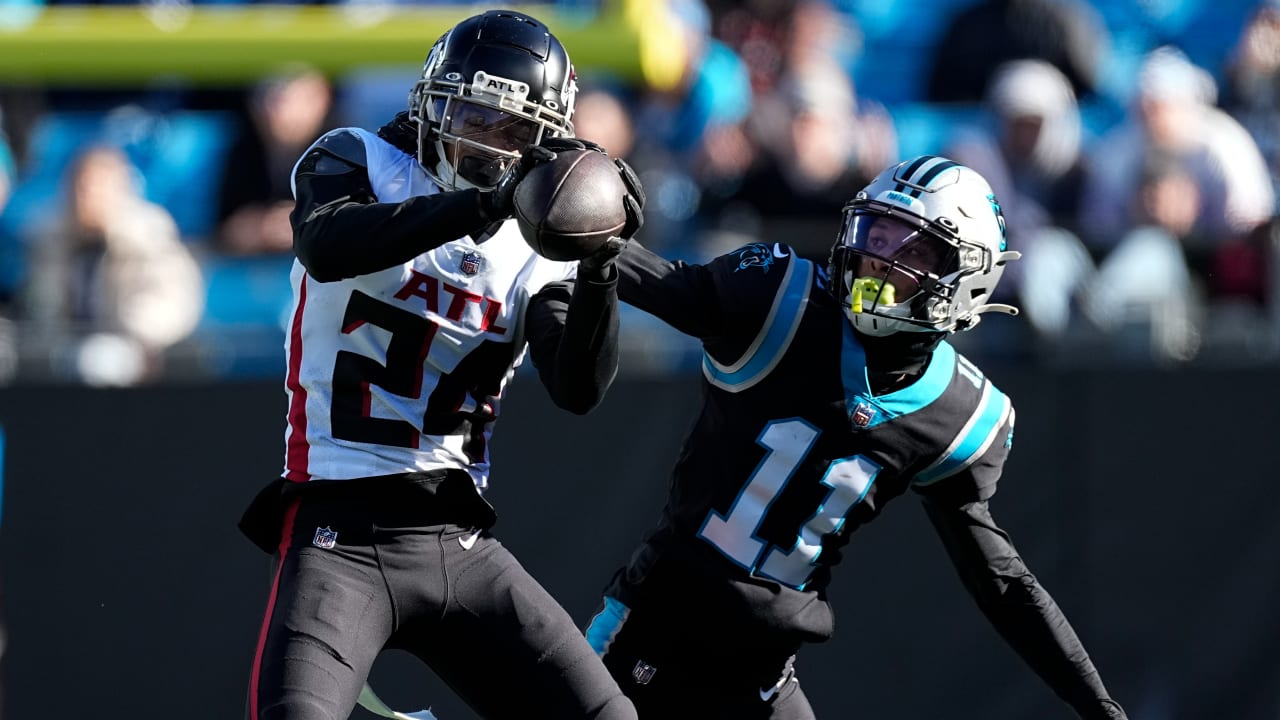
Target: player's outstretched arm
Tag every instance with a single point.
(340, 230)
(702, 301)
(1019, 607)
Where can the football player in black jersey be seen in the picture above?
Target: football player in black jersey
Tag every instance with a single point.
(414, 299)
(828, 391)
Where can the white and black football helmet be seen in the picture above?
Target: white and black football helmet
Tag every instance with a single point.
(921, 249)
(493, 84)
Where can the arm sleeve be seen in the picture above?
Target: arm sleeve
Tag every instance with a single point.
(340, 230)
(1018, 606)
(721, 302)
(679, 294)
(573, 340)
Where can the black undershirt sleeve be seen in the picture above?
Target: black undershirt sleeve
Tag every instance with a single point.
(679, 294)
(572, 330)
(1018, 606)
(340, 230)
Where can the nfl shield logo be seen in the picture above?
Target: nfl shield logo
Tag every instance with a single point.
(643, 672)
(325, 538)
(470, 263)
(862, 415)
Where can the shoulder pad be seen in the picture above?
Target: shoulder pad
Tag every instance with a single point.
(336, 153)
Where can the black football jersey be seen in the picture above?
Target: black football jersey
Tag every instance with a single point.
(791, 452)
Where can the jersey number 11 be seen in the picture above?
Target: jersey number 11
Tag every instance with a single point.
(734, 534)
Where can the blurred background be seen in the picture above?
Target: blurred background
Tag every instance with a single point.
(145, 153)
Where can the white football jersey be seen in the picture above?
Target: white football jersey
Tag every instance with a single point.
(403, 370)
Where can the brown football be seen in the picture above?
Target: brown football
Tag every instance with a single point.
(568, 207)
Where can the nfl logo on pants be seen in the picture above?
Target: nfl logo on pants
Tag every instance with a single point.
(325, 538)
(643, 672)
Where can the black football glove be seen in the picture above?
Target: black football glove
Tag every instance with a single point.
(596, 265)
(499, 203)
(634, 201)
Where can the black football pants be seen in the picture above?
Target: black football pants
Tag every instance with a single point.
(674, 675)
(347, 584)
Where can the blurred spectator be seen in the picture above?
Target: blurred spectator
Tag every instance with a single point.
(602, 117)
(1169, 191)
(285, 114)
(817, 149)
(10, 263)
(692, 143)
(1031, 154)
(11, 269)
(1174, 113)
(771, 35)
(809, 143)
(980, 38)
(111, 285)
(1252, 83)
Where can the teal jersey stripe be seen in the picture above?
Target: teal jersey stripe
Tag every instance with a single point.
(973, 439)
(915, 396)
(605, 625)
(775, 336)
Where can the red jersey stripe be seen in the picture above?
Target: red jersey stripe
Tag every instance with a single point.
(296, 468)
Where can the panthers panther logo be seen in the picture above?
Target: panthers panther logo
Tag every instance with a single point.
(754, 255)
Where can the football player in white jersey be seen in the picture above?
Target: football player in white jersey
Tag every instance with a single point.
(414, 301)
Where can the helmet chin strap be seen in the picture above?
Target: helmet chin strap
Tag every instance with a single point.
(899, 351)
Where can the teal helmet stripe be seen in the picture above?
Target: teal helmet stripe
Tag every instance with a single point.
(932, 173)
(905, 176)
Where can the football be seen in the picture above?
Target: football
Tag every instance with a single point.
(568, 207)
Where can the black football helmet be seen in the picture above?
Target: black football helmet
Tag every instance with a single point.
(493, 84)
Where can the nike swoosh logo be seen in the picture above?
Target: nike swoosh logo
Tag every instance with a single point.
(777, 251)
(765, 695)
(469, 541)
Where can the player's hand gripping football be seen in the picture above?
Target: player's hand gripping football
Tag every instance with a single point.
(597, 264)
(499, 203)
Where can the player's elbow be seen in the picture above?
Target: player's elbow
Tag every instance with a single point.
(578, 403)
(1013, 586)
(320, 274)
(309, 250)
(578, 386)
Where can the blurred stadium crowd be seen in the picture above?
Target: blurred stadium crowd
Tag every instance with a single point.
(1133, 144)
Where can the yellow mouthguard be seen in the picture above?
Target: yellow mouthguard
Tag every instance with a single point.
(873, 289)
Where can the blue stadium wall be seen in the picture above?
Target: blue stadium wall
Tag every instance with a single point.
(1146, 501)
